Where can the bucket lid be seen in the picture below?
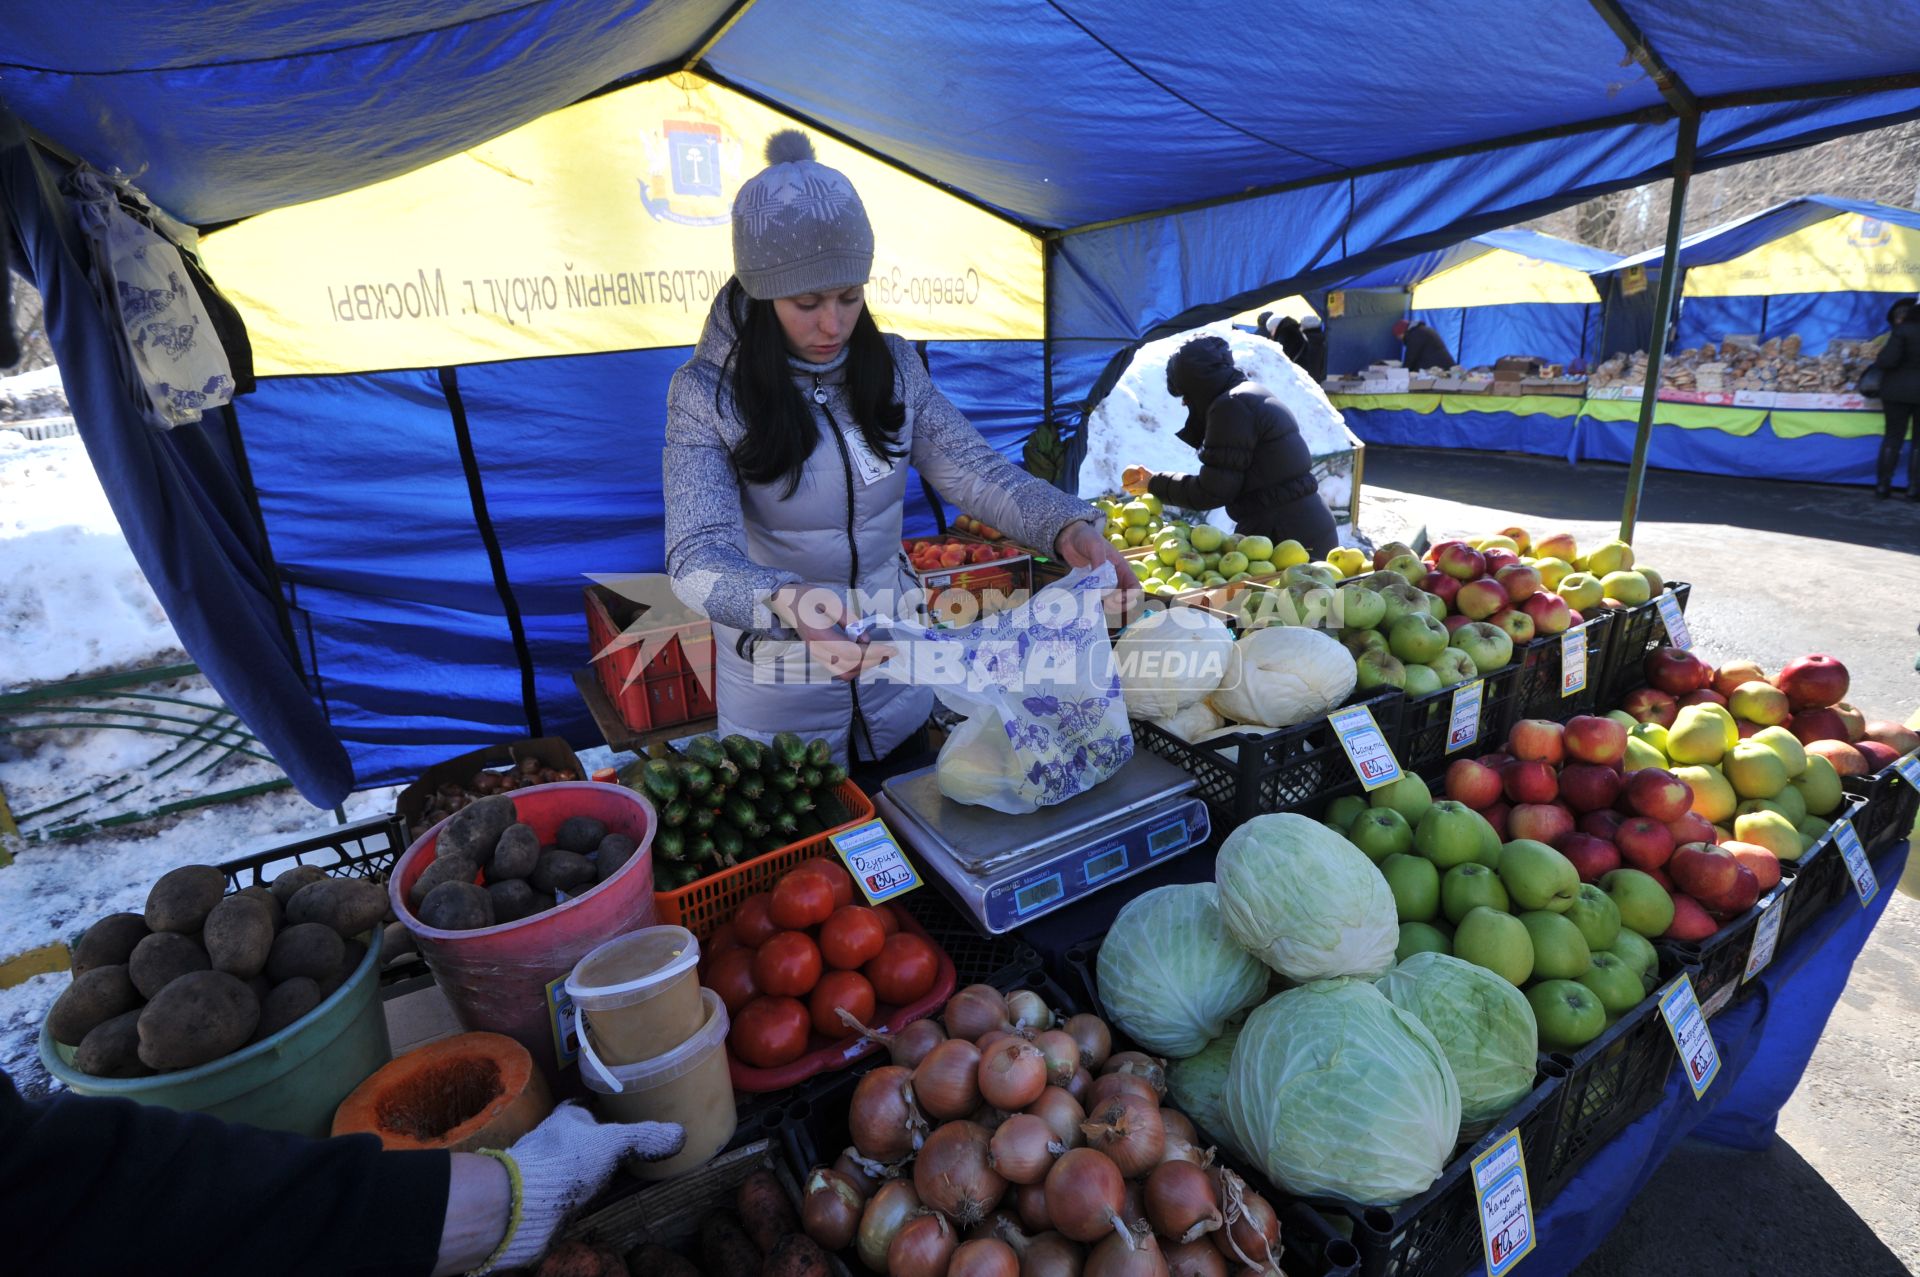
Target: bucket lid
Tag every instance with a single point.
(614, 1079)
(666, 951)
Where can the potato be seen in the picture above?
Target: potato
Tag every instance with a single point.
(238, 937)
(90, 1001)
(443, 869)
(457, 906)
(764, 1210)
(658, 1261)
(396, 942)
(288, 1002)
(795, 1255)
(580, 834)
(197, 1018)
(109, 942)
(614, 852)
(183, 898)
(351, 906)
(353, 954)
(162, 958)
(566, 871)
(474, 829)
(112, 1049)
(582, 1259)
(512, 899)
(266, 897)
(515, 855)
(307, 949)
(261, 987)
(291, 880)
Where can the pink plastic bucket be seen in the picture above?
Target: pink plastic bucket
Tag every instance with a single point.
(511, 978)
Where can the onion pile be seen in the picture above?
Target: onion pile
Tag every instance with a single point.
(1018, 1144)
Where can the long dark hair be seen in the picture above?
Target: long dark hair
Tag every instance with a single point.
(781, 433)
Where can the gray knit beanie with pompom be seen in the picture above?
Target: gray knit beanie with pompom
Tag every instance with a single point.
(799, 226)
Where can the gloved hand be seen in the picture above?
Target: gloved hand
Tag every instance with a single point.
(561, 1163)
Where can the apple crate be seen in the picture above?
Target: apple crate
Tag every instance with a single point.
(1637, 631)
(674, 686)
(1539, 661)
(1821, 879)
(1425, 721)
(1888, 806)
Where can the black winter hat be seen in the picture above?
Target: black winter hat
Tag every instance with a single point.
(1904, 304)
(1199, 363)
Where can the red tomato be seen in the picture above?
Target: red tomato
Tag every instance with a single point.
(722, 939)
(801, 900)
(852, 937)
(836, 875)
(752, 924)
(787, 965)
(770, 1032)
(839, 989)
(731, 976)
(904, 971)
(889, 920)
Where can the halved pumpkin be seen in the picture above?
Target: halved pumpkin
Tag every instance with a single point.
(470, 1091)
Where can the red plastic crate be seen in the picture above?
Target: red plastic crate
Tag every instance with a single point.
(669, 690)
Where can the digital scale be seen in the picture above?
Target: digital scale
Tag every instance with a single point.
(1008, 870)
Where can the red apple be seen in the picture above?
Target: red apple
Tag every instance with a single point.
(1480, 598)
(1691, 922)
(1591, 857)
(1677, 672)
(1517, 624)
(1387, 553)
(1496, 816)
(1644, 843)
(1692, 827)
(1811, 725)
(1475, 784)
(1702, 870)
(1764, 865)
(1660, 876)
(1900, 740)
(1591, 738)
(1574, 618)
(1604, 824)
(1549, 612)
(1442, 584)
(1456, 620)
(1733, 673)
(1589, 786)
(1522, 582)
(1497, 760)
(1738, 898)
(1813, 682)
(1659, 793)
(1462, 562)
(1438, 548)
(1651, 705)
(1856, 721)
(1878, 756)
(1542, 822)
(1746, 729)
(1497, 559)
(1531, 782)
(1536, 740)
(1704, 696)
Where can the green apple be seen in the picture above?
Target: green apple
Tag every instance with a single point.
(1136, 514)
(1645, 907)
(1623, 718)
(1453, 667)
(1537, 876)
(1421, 680)
(1343, 811)
(1581, 590)
(1597, 917)
(1359, 608)
(1118, 541)
(1421, 937)
(1788, 802)
(1374, 670)
(1451, 833)
(1311, 574)
(1168, 551)
(1696, 737)
(1570, 1015)
(1652, 733)
(1819, 785)
(1468, 887)
(1813, 829)
(1489, 645)
(1417, 638)
(1211, 560)
(1135, 537)
(1560, 952)
(1260, 567)
(1381, 832)
(1212, 579)
(1206, 538)
(1405, 566)
(1190, 563)
(1256, 548)
(1360, 642)
(1552, 572)
(1614, 982)
(1641, 756)
(1773, 831)
(1415, 884)
(1787, 746)
(1232, 563)
(1627, 588)
(1496, 941)
(1610, 556)
(1638, 953)
(1409, 796)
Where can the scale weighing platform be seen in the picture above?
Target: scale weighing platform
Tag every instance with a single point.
(1008, 870)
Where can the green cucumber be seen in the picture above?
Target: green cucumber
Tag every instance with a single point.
(751, 786)
(660, 781)
(799, 802)
(675, 813)
(787, 825)
(700, 848)
(670, 843)
(703, 818)
(706, 751)
(727, 772)
(819, 754)
(791, 749)
(833, 775)
(672, 877)
(828, 807)
(811, 778)
(784, 782)
(744, 750)
(741, 812)
(729, 842)
(695, 778)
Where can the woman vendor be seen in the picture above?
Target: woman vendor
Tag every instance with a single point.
(789, 434)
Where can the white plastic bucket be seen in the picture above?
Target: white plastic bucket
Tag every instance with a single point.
(690, 1085)
(640, 992)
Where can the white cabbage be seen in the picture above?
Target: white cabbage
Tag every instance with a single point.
(1284, 675)
(1305, 900)
(1193, 722)
(1171, 659)
(1484, 1024)
(1170, 976)
(1197, 1087)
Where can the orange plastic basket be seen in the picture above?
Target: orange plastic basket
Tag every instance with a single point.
(701, 906)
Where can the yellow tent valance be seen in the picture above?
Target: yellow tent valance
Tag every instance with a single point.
(1845, 254)
(1503, 278)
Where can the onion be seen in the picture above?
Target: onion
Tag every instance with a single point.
(1085, 1192)
(885, 1124)
(1094, 1037)
(1182, 1203)
(994, 1225)
(953, 1176)
(1061, 1053)
(1133, 1211)
(922, 1247)
(891, 1206)
(1062, 1114)
(1127, 1129)
(988, 1040)
(908, 1046)
(976, 1010)
(1023, 1149)
(1146, 1066)
(1127, 1254)
(1028, 1012)
(1012, 1074)
(1082, 1085)
(987, 1257)
(863, 1172)
(1030, 1200)
(1183, 1142)
(988, 1118)
(1050, 1255)
(830, 1214)
(1195, 1259)
(946, 1084)
(1179, 1126)
(1108, 1085)
(1251, 1237)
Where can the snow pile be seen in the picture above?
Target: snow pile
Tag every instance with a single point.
(72, 600)
(31, 395)
(1136, 423)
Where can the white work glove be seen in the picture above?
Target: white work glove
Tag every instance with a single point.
(561, 1163)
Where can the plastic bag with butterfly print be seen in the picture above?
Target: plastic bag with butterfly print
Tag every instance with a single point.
(1038, 684)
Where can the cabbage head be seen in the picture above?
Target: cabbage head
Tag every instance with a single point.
(1306, 900)
(1334, 1090)
(1170, 976)
(1197, 1087)
(1483, 1023)
(1284, 675)
(1170, 660)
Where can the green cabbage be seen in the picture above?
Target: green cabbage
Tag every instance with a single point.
(1170, 976)
(1484, 1024)
(1334, 1090)
(1305, 900)
(1197, 1085)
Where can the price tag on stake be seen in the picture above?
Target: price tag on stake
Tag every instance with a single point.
(1367, 748)
(1464, 727)
(1675, 621)
(879, 868)
(1909, 769)
(1505, 1204)
(1847, 838)
(1573, 661)
(1766, 937)
(1687, 1024)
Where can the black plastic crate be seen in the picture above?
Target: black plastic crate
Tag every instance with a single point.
(1637, 631)
(1425, 720)
(1610, 1082)
(1003, 961)
(1889, 806)
(1538, 694)
(1721, 959)
(1256, 772)
(1821, 878)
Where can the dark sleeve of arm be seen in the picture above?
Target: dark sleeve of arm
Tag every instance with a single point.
(1891, 353)
(109, 1186)
(1225, 454)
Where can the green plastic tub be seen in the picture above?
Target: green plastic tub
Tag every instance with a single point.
(292, 1081)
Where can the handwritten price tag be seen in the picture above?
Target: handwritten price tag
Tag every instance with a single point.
(1367, 749)
(1506, 1205)
(1691, 1037)
(1909, 769)
(1675, 621)
(1766, 937)
(1573, 661)
(1847, 839)
(1464, 727)
(879, 868)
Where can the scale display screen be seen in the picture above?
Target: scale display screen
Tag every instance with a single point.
(1169, 837)
(1106, 863)
(1037, 895)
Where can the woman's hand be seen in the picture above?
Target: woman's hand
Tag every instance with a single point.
(1080, 545)
(1135, 479)
(819, 617)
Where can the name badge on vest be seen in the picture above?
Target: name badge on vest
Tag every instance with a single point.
(871, 468)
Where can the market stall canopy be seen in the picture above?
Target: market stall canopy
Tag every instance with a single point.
(1500, 268)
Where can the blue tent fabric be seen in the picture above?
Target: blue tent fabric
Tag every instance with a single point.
(1514, 239)
(1734, 239)
(1559, 332)
(1816, 318)
(1491, 431)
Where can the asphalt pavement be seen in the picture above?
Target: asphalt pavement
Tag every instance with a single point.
(1780, 569)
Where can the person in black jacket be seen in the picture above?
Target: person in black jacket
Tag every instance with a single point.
(1286, 331)
(1252, 458)
(1899, 365)
(1424, 349)
(1314, 357)
(92, 1185)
